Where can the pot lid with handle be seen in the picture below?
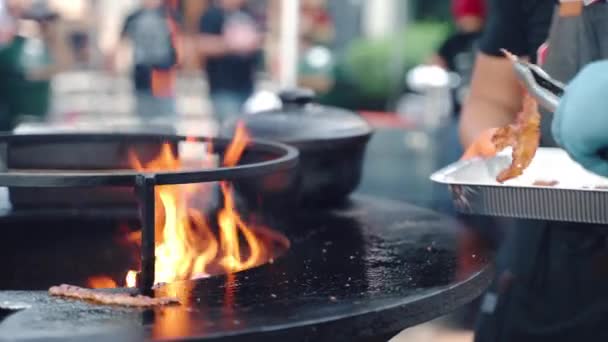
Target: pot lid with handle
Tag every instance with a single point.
(299, 120)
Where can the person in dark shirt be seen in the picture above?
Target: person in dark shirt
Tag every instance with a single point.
(152, 30)
(551, 276)
(230, 43)
(457, 53)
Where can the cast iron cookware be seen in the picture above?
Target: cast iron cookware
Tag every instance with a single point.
(331, 141)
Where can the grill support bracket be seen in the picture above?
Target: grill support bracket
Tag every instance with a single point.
(144, 188)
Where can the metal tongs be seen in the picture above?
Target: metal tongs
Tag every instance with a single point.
(546, 90)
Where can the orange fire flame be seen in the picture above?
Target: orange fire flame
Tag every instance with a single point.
(237, 146)
(186, 245)
(131, 279)
(101, 282)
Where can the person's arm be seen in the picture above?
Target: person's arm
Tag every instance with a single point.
(114, 50)
(175, 24)
(441, 56)
(55, 39)
(243, 40)
(211, 43)
(494, 99)
(437, 60)
(495, 96)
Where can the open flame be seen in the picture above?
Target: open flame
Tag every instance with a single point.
(101, 282)
(237, 146)
(131, 279)
(189, 244)
(186, 245)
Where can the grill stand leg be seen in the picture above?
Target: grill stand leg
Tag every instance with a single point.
(145, 194)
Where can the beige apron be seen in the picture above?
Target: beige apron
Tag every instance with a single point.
(552, 278)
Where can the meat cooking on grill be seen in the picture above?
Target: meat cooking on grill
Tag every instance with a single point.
(99, 297)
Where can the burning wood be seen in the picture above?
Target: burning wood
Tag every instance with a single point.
(121, 299)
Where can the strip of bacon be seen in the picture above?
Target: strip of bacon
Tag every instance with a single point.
(523, 136)
(504, 137)
(121, 299)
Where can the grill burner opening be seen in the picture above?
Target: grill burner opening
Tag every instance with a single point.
(184, 233)
(39, 252)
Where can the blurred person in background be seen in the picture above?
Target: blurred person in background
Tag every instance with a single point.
(152, 31)
(80, 44)
(8, 23)
(316, 23)
(33, 48)
(316, 35)
(457, 53)
(316, 61)
(230, 45)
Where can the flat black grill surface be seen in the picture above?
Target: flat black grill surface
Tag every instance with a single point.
(371, 268)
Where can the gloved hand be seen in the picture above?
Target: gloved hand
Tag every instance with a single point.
(580, 125)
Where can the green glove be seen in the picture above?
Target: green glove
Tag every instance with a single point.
(580, 125)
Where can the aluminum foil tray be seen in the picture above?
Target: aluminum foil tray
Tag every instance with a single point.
(578, 195)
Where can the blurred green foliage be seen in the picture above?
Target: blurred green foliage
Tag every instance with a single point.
(372, 70)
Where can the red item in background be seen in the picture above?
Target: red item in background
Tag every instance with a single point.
(464, 8)
(387, 120)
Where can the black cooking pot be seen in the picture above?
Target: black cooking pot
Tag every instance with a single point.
(331, 141)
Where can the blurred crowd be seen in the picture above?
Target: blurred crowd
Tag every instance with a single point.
(230, 44)
(228, 41)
